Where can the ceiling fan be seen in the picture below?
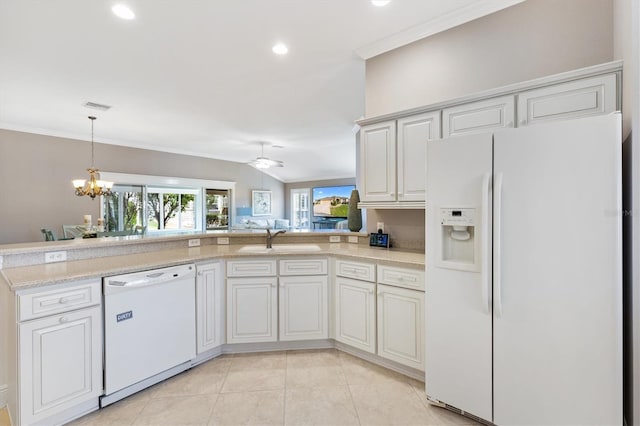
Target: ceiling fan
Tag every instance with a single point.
(263, 162)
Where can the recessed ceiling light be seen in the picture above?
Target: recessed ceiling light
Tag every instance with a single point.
(380, 3)
(123, 11)
(280, 49)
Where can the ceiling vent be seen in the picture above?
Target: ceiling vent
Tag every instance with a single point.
(94, 105)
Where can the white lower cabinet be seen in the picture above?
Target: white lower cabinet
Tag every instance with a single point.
(252, 310)
(59, 355)
(400, 325)
(259, 311)
(303, 308)
(210, 303)
(355, 313)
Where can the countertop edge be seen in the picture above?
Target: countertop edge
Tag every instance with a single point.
(43, 275)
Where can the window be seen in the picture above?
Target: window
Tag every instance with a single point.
(172, 209)
(217, 209)
(123, 211)
(300, 208)
(160, 204)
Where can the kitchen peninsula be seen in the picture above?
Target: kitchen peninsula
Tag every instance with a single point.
(312, 290)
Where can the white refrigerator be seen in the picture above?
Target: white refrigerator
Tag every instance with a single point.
(524, 273)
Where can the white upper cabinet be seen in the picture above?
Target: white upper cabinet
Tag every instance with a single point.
(393, 160)
(589, 96)
(479, 116)
(378, 162)
(413, 134)
(391, 167)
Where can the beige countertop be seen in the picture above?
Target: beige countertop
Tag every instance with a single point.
(52, 273)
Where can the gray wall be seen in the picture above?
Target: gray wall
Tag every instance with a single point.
(532, 39)
(36, 173)
(529, 40)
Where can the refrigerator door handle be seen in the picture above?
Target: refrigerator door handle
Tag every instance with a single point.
(497, 237)
(486, 246)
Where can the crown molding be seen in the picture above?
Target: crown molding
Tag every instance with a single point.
(434, 26)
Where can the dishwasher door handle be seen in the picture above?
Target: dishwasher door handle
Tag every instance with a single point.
(147, 279)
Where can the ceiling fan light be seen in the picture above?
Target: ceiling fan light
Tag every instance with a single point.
(280, 49)
(123, 11)
(263, 162)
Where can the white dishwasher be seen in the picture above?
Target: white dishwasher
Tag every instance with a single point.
(150, 328)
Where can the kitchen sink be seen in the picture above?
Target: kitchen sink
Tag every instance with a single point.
(278, 248)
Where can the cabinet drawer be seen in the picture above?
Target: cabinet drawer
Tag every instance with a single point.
(303, 267)
(36, 304)
(401, 277)
(251, 268)
(357, 270)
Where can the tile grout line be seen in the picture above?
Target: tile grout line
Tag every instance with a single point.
(353, 403)
(219, 393)
(284, 394)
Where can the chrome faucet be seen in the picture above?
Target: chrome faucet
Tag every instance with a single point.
(271, 236)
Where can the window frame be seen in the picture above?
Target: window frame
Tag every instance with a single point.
(167, 184)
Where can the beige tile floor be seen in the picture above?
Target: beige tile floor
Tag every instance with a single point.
(4, 417)
(320, 387)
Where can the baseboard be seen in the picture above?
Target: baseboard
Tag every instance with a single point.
(4, 394)
(382, 362)
(232, 348)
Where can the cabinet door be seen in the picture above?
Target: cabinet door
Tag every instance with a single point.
(355, 314)
(60, 363)
(479, 116)
(400, 330)
(209, 306)
(378, 162)
(589, 96)
(252, 310)
(303, 308)
(413, 134)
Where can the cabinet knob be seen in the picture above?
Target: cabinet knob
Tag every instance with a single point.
(64, 320)
(63, 300)
(523, 122)
(510, 124)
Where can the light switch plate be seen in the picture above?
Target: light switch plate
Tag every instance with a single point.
(194, 242)
(55, 256)
(334, 238)
(353, 239)
(223, 240)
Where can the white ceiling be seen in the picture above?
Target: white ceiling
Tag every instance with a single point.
(198, 77)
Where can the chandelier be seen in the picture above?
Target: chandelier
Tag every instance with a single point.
(94, 187)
